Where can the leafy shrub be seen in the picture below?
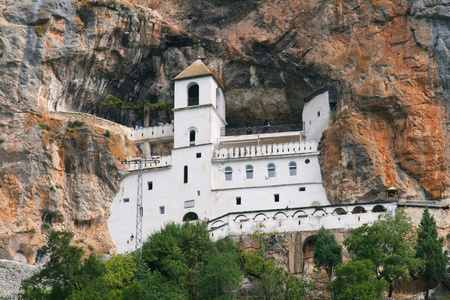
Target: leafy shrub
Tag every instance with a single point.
(107, 134)
(75, 124)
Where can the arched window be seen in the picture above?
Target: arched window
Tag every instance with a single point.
(249, 172)
(192, 137)
(228, 174)
(185, 180)
(193, 95)
(190, 216)
(292, 168)
(270, 170)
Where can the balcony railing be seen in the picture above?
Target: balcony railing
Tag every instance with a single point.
(265, 150)
(229, 131)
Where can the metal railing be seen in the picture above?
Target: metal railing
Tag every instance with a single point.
(229, 131)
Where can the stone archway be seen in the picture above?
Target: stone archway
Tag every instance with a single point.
(308, 254)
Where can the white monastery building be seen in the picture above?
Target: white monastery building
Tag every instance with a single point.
(234, 183)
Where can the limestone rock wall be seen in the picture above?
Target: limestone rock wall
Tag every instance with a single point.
(388, 60)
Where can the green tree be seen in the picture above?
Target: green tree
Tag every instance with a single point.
(327, 253)
(356, 280)
(222, 273)
(64, 274)
(432, 259)
(271, 281)
(155, 287)
(275, 283)
(185, 257)
(386, 243)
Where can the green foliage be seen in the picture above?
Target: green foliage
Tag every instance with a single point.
(107, 134)
(155, 287)
(311, 63)
(274, 282)
(356, 280)
(59, 278)
(432, 260)
(269, 280)
(185, 257)
(327, 253)
(47, 225)
(75, 124)
(160, 106)
(114, 102)
(121, 270)
(222, 273)
(386, 244)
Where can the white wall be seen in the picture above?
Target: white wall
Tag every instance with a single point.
(212, 195)
(315, 124)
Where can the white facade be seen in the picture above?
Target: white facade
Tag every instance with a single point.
(223, 180)
(316, 115)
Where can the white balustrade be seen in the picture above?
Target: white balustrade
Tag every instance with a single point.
(266, 149)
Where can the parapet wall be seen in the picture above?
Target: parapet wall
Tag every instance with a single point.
(161, 132)
(263, 150)
(298, 219)
(90, 120)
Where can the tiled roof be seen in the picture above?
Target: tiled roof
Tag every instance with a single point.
(197, 69)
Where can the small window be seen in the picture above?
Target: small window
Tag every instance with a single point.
(228, 174)
(307, 161)
(318, 113)
(192, 137)
(189, 203)
(198, 193)
(292, 168)
(238, 200)
(276, 197)
(126, 200)
(161, 210)
(271, 170)
(185, 179)
(249, 172)
(150, 185)
(302, 189)
(198, 155)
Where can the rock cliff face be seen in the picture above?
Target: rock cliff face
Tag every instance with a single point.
(388, 60)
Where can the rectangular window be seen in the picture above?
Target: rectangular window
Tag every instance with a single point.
(238, 200)
(276, 197)
(161, 210)
(126, 200)
(198, 193)
(302, 189)
(150, 185)
(185, 179)
(199, 155)
(189, 203)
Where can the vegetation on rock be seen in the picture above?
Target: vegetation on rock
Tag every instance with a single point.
(388, 245)
(357, 280)
(432, 260)
(327, 253)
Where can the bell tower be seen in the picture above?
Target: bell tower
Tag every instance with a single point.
(199, 110)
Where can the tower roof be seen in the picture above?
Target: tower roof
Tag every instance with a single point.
(197, 69)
